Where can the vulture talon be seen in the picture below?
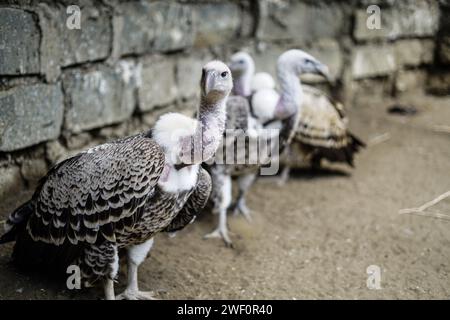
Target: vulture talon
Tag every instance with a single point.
(241, 208)
(220, 233)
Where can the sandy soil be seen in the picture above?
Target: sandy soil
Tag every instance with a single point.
(315, 236)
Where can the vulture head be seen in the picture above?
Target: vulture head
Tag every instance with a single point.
(216, 82)
(302, 62)
(241, 63)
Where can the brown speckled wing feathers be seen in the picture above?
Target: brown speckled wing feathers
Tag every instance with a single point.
(96, 193)
(322, 129)
(194, 204)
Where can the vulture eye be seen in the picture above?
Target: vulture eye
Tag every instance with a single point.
(241, 61)
(224, 74)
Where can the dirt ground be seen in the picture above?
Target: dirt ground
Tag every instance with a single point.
(314, 237)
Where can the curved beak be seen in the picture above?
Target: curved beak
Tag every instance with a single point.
(323, 70)
(209, 82)
(212, 84)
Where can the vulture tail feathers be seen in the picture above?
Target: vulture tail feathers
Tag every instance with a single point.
(31, 255)
(356, 142)
(16, 222)
(353, 147)
(342, 154)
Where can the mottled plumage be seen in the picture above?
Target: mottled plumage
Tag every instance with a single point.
(120, 194)
(103, 200)
(98, 193)
(196, 202)
(238, 113)
(322, 130)
(281, 114)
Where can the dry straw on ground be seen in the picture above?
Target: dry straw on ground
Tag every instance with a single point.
(420, 210)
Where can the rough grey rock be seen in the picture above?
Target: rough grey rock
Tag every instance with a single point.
(371, 87)
(19, 42)
(55, 151)
(372, 60)
(155, 27)
(10, 180)
(303, 22)
(414, 52)
(410, 80)
(100, 97)
(444, 27)
(362, 32)
(403, 19)
(188, 74)
(65, 46)
(444, 50)
(216, 23)
(139, 28)
(248, 19)
(30, 114)
(158, 85)
(175, 25)
(51, 45)
(79, 141)
(33, 169)
(91, 42)
(438, 83)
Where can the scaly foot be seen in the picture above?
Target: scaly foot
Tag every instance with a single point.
(221, 233)
(241, 207)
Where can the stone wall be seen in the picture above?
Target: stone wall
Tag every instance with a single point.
(63, 90)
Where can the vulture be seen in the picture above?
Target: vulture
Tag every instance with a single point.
(241, 115)
(246, 81)
(322, 130)
(115, 197)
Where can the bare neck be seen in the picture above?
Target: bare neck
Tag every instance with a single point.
(291, 94)
(242, 83)
(211, 119)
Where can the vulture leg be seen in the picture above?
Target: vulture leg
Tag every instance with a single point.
(136, 255)
(109, 289)
(244, 182)
(284, 177)
(100, 260)
(287, 155)
(222, 201)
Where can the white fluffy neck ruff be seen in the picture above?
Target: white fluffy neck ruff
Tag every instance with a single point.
(262, 80)
(170, 129)
(168, 132)
(174, 181)
(264, 102)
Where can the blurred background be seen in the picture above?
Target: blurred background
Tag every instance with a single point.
(66, 85)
